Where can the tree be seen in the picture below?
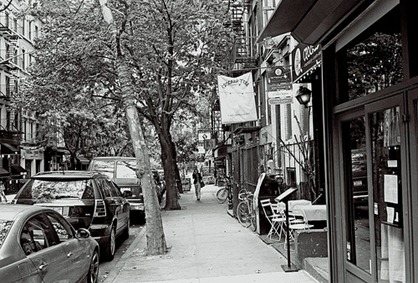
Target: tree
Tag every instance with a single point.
(154, 58)
(173, 46)
(174, 50)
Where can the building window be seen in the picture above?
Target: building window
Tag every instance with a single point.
(15, 25)
(6, 20)
(30, 30)
(8, 122)
(23, 27)
(23, 59)
(8, 91)
(288, 118)
(374, 60)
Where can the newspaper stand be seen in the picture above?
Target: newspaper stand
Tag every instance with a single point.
(284, 197)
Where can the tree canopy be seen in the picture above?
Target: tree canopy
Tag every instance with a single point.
(174, 51)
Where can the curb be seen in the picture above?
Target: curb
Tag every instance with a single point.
(111, 277)
(315, 271)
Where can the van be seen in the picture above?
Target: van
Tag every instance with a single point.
(122, 171)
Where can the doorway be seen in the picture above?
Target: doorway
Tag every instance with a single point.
(375, 185)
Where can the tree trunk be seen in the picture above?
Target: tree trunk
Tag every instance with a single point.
(176, 168)
(169, 164)
(156, 243)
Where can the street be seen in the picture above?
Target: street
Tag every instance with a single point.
(107, 266)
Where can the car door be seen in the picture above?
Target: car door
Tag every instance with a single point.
(123, 212)
(50, 260)
(77, 251)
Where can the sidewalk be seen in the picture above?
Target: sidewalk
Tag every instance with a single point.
(206, 245)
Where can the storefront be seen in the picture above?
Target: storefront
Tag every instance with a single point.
(370, 103)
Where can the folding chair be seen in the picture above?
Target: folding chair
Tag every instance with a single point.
(275, 218)
(299, 222)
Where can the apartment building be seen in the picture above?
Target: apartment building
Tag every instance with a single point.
(281, 142)
(20, 155)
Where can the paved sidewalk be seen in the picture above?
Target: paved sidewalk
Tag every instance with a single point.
(206, 245)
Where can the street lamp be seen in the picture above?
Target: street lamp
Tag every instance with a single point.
(304, 96)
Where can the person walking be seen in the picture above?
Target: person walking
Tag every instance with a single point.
(197, 179)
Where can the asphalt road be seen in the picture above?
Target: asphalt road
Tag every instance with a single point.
(107, 266)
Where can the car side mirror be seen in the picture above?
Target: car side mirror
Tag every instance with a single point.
(83, 233)
(127, 194)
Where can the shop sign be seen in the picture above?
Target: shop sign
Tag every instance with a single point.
(281, 100)
(210, 144)
(32, 153)
(306, 58)
(278, 79)
(284, 97)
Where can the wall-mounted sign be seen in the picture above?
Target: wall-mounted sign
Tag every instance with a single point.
(278, 78)
(306, 59)
(281, 100)
(32, 153)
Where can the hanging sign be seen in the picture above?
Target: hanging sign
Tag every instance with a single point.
(237, 99)
(306, 59)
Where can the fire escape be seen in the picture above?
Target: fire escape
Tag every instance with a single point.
(9, 132)
(9, 61)
(243, 58)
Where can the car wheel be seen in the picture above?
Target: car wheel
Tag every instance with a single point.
(93, 275)
(109, 252)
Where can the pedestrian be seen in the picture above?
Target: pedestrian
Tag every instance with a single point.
(2, 194)
(197, 179)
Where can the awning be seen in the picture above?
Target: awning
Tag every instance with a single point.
(4, 172)
(18, 170)
(8, 149)
(83, 160)
(307, 20)
(221, 151)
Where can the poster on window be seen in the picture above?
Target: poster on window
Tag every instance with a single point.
(237, 99)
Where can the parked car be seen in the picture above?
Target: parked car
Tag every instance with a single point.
(38, 245)
(122, 170)
(86, 199)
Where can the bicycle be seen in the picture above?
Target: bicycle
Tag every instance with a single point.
(225, 192)
(245, 210)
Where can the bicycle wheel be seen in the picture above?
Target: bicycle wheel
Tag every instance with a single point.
(253, 224)
(222, 195)
(243, 214)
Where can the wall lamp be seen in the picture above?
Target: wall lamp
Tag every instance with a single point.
(304, 96)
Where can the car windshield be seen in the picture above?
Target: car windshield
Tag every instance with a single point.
(47, 190)
(126, 169)
(5, 226)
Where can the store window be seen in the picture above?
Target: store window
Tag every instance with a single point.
(356, 193)
(387, 194)
(373, 61)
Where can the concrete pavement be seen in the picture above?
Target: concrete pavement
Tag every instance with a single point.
(206, 245)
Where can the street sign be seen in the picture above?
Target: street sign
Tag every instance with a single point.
(280, 100)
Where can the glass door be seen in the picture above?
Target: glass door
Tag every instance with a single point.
(386, 143)
(373, 151)
(412, 197)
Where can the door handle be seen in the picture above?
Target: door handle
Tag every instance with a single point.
(43, 266)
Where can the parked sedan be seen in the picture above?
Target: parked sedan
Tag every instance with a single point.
(38, 245)
(86, 199)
